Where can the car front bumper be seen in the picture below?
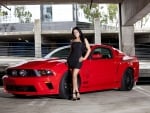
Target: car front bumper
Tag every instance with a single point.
(31, 85)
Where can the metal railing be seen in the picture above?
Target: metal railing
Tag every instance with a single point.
(142, 51)
(16, 49)
(23, 49)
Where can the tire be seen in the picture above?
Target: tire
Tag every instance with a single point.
(65, 90)
(65, 86)
(127, 82)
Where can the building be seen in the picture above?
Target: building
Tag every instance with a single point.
(19, 39)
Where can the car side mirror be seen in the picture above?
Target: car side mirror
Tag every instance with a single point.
(97, 56)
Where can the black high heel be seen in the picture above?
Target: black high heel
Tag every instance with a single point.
(74, 98)
(78, 95)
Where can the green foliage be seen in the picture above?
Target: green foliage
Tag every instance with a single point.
(3, 13)
(112, 10)
(144, 20)
(24, 16)
(95, 12)
(92, 13)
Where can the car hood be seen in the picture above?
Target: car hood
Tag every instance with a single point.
(40, 63)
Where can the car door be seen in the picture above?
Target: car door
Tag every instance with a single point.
(102, 67)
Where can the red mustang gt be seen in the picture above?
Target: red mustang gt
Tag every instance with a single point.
(105, 68)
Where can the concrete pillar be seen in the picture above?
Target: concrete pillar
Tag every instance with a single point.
(37, 38)
(126, 35)
(97, 38)
(120, 28)
(128, 44)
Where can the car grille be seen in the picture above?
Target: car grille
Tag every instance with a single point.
(20, 88)
(27, 73)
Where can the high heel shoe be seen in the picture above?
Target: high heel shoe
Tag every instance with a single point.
(78, 95)
(74, 97)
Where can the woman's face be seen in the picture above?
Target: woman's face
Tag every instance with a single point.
(76, 33)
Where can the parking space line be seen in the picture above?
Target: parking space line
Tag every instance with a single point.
(32, 103)
(38, 103)
(43, 102)
(142, 90)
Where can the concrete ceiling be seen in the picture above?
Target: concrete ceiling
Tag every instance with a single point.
(20, 2)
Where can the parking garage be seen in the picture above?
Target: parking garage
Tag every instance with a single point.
(105, 101)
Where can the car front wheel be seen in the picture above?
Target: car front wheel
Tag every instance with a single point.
(65, 86)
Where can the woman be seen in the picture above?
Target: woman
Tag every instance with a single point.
(78, 45)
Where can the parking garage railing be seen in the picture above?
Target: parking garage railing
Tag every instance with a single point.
(24, 49)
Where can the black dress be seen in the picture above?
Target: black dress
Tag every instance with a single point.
(75, 53)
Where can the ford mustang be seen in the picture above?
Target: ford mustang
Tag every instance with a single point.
(105, 68)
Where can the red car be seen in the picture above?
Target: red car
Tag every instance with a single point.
(105, 68)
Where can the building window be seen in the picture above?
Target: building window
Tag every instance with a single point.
(47, 13)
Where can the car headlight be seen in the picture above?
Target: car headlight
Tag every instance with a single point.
(22, 72)
(45, 72)
(14, 73)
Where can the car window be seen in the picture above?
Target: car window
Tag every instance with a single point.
(105, 52)
(63, 53)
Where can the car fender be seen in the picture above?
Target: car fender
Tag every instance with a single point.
(123, 66)
(60, 69)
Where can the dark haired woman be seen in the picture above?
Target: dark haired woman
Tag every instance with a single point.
(78, 44)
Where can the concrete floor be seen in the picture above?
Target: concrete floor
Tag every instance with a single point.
(111, 101)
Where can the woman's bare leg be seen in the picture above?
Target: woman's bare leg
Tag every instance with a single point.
(74, 80)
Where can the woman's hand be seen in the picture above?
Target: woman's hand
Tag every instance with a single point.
(81, 59)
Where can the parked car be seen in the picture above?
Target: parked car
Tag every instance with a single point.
(2, 73)
(105, 68)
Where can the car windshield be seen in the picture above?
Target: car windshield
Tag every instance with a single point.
(61, 52)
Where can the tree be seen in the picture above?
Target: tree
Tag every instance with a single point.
(97, 12)
(28, 16)
(4, 15)
(144, 20)
(92, 13)
(142, 23)
(22, 15)
(112, 10)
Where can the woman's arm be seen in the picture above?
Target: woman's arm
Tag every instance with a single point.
(88, 50)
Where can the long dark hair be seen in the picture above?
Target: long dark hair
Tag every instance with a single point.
(81, 34)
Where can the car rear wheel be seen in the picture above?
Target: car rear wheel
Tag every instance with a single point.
(127, 81)
(65, 86)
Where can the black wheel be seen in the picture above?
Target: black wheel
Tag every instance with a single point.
(127, 81)
(65, 86)
(65, 90)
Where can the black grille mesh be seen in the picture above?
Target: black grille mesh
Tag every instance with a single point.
(29, 72)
